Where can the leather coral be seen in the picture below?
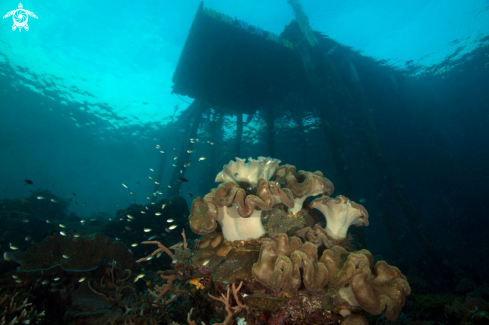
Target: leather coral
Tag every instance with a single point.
(302, 184)
(286, 263)
(238, 201)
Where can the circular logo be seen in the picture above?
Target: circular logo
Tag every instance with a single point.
(20, 18)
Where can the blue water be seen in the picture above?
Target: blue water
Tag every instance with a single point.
(86, 105)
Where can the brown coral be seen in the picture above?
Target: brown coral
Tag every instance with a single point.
(340, 214)
(303, 184)
(285, 263)
(383, 288)
(237, 206)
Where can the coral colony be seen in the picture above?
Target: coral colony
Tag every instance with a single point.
(263, 258)
(285, 272)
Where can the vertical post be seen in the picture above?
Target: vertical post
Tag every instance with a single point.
(183, 157)
(270, 120)
(239, 134)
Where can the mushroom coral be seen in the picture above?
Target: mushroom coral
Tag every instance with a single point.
(237, 203)
(284, 263)
(303, 184)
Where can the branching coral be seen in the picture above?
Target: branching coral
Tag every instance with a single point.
(15, 309)
(114, 284)
(231, 311)
(160, 291)
(181, 250)
(303, 184)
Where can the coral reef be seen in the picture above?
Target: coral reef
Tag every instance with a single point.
(72, 253)
(270, 260)
(263, 258)
(16, 309)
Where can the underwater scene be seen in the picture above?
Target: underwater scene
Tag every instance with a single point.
(244, 162)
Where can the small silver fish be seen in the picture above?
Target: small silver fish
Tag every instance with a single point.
(12, 247)
(158, 255)
(175, 158)
(157, 213)
(172, 227)
(76, 235)
(130, 217)
(7, 256)
(150, 177)
(134, 245)
(62, 233)
(53, 200)
(139, 277)
(170, 220)
(143, 212)
(47, 221)
(189, 151)
(206, 262)
(45, 282)
(125, 185)
(163, 206)
(202, 158)
(27, 238)
(56, 279)
(40, 197)
(66, 257)
(128, 228)
(82, 279)
(152, 169)
(147, 229)
(62, 226)
(152, 237)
